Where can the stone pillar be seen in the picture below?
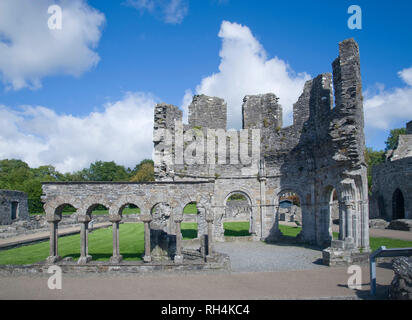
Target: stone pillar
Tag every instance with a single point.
(147, 254)
(209, 220)
(116, 257)
(178, 259)
(54, 236)
(342, 221)
(84, 240)
(349, 223)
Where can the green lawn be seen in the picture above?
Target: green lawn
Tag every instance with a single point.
(236, 229)
(374, 243)
(132, 243)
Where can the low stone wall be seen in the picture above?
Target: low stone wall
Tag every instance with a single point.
(191, 263)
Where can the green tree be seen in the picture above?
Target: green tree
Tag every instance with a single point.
(373, 158)
(392, 141)
(144, 172)
(106, 171)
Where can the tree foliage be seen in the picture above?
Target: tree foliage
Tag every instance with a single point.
(392, 141)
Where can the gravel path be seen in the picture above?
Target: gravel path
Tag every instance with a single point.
(261, 257)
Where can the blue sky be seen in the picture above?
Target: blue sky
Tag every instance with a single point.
(126, 55)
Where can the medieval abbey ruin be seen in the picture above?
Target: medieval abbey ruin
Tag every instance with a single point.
(320, 158)
(391, 182)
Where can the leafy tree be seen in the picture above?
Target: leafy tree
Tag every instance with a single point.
(392, 141)
(106, 171)
(144, 172)
(373, 158)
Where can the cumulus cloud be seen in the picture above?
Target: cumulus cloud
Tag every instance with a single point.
(245, 68)
(122, 132)
(170, 11)
(29, 50)
(383, 108)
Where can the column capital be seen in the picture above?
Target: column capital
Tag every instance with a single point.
(178, 219)
(83, 218)
(115, 217)
(53, 218)
(146, 217)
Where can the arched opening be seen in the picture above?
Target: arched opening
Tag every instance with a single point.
(131, 232)
(398, 205)
(68, 247)
(238, 218)
(334, 220)
(98, 249)
(189, 227)
(289, 213)
(162, 232)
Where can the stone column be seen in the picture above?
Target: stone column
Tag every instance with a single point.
(342, 221)
(178, 256)
(209, 220)
(54, 236)
(147, 254)
(349, 224)
(116, 257)
(84, 240)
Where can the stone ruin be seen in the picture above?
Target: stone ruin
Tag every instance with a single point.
(391, 198)
(322, 153)
(13, 207)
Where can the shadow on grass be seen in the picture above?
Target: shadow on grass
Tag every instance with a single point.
(137, 256)
(236, 233)
(189, 233)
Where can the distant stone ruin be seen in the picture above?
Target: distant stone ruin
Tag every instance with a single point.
(320, 158)
(391, 182)
(13, 206)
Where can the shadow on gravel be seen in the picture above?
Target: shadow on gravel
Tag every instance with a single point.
(381, 292)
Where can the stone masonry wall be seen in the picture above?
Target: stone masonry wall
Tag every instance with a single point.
(7, 198)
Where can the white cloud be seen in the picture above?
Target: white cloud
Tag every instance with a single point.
(384, 108)
(29, 50)
(246, 69)
(122, 132)
(171, 11)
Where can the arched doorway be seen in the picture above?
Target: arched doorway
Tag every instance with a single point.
(289, 213)
(398, 205)
(189, 227)
(238, 218)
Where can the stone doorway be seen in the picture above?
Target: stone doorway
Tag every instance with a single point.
(398, 205)
(14, 210)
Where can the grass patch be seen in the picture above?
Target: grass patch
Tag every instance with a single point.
(236, 229)
(289, 231)
(190, 209)
(189, 230)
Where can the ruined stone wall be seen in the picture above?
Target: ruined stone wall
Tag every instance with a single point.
(393, 176)
(323, 150)
(13, 200)
(386, 179)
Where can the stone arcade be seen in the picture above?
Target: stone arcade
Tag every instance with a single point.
(319, 158)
